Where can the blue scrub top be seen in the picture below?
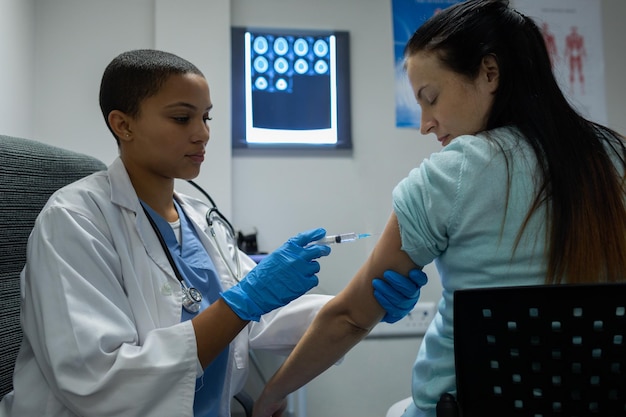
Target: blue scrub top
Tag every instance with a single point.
(198, 270)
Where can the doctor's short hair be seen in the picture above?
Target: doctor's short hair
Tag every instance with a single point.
(135, 75)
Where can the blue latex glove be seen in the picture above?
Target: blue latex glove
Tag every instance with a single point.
(282, 276)
(398, 294)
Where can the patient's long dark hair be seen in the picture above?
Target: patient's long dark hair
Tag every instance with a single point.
(579, 185)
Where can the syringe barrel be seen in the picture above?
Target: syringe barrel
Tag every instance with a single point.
(342, 238)
(346, 237)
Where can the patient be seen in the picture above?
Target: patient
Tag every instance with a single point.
(524, 191)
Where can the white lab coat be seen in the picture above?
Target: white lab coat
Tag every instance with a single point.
(101, 311)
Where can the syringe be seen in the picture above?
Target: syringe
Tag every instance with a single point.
(342, 238)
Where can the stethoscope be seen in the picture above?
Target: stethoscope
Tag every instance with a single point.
(219, 226)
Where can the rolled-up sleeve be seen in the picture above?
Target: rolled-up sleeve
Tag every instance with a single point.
(426, 203)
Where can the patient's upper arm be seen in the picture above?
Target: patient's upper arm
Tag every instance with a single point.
(357, 299)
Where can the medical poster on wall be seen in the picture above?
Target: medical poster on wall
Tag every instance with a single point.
(572, 30)
(407, 16)
(573, 33)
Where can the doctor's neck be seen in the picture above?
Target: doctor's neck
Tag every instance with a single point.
(158, 194)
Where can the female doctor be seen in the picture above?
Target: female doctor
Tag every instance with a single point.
(133, 304)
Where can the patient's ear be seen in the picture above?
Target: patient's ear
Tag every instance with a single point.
(490, 72)
(120, 125)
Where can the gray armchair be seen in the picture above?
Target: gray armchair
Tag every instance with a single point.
(30, 172)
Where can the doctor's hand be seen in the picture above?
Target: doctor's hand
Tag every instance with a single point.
(279, 278)
(398, 294)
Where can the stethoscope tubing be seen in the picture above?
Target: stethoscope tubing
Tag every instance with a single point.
(192, 297)
(229, 229)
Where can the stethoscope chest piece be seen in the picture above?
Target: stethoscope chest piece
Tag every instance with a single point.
(191, 299)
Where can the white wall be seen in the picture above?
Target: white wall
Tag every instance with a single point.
(613, 14)
(17, 52)
(57, 50)
(75, 40)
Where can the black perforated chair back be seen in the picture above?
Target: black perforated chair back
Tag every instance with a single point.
(30, 172)
(539, 351)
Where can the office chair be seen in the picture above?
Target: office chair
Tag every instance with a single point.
(539, 351)
(30, 172)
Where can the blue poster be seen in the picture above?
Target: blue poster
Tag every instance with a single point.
(407, 16)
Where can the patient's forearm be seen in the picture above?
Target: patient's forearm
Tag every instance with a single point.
(331, 335)
(341, 323)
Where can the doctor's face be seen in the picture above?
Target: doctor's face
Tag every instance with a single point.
(168, 136)
(452, 105)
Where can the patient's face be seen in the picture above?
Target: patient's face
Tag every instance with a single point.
(451, 104)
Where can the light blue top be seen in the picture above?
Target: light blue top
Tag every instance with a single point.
(453, 209)
(198, 270)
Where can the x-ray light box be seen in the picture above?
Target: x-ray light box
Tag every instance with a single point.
(290, 89)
